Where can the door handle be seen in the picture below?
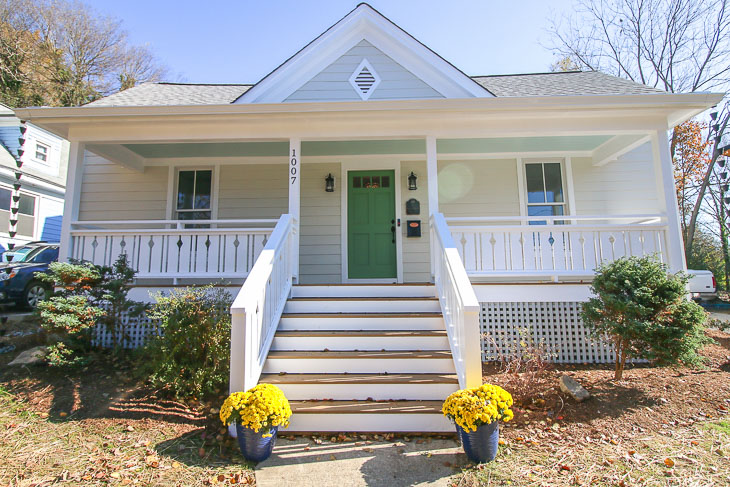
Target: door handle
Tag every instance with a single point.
(392, 229)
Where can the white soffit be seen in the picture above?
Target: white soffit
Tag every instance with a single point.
(363, 23)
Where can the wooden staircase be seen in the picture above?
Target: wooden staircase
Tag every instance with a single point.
(363, 358)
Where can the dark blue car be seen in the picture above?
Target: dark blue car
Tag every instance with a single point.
(18, 283)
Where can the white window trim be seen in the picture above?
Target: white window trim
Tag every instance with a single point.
(175, 180)
(566, 181)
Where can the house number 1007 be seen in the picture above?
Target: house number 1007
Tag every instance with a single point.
(293, 166)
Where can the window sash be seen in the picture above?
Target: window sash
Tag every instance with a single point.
(196, 203)
(556, 208)
(41, 152)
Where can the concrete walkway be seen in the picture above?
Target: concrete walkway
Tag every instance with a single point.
(419, 462)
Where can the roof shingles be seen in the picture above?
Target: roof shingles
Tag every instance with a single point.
(513, 85)
(148, 94)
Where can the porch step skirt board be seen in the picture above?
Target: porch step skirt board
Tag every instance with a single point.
(363, 358)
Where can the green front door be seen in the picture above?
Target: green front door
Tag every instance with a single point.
(371, 225)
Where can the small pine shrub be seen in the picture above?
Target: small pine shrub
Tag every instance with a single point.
(190, 357)
(85, 295)
(645, 312)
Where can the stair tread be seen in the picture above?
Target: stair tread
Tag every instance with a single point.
(355, 407)
(365, 354)
(360, 333)
(329, 379)
(397, 314)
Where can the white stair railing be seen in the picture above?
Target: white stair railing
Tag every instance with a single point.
(257, 309)
(459, 304)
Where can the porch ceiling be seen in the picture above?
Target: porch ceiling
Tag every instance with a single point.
(370, 147)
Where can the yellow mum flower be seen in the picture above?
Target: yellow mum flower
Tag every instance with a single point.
(474, 407)
(262, 406)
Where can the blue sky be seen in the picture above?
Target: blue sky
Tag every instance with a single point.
(241, 41)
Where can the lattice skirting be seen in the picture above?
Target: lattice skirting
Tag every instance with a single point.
(555, 326)
(134, 332)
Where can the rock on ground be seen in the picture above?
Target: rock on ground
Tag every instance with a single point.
(31, 356)
(571, 386)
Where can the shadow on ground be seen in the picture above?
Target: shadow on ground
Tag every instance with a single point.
(104, 389)
(300, 462)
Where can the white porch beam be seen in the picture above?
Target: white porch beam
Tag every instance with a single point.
(73, 197)
(294, 178)
(432, 172)
(360, 126)
(667, 196)
(617, 146)
(118, 154)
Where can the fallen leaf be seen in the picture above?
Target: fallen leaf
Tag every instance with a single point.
(62, 414)
(129, 427)
(176, 465)
(115, 475)
(152, 461)
(669, 462)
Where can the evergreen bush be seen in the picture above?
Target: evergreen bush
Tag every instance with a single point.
(646, 313)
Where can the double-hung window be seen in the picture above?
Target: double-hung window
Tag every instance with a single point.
(41, 152)
(194, 190)
(545, 194)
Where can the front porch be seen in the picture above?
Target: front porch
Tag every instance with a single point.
(607, 198)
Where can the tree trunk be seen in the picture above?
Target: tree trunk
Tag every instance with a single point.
(620, 359)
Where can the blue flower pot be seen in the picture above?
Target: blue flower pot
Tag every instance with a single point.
(254, 447)
(480, 445)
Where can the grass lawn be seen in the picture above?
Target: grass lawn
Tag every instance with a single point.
(98, 426)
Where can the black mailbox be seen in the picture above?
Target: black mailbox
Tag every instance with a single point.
(414, 228)
(413, 207)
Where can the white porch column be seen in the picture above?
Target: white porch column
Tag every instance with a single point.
(295, 149)
(432, 173)
(667, 197)
(72, 198)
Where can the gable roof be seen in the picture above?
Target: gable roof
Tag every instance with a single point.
(363, 23)
(562, 83)
(151, 94)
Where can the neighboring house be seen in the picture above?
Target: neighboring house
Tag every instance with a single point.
(42, 181)
(390, 206)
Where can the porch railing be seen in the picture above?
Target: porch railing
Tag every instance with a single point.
(257, 309)
(459, 304)
(566, 245)
(167, 249)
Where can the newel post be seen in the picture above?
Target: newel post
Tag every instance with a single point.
(238, 370)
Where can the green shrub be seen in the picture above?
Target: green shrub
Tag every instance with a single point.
(190, 356)
(86, 295)
(645, 312)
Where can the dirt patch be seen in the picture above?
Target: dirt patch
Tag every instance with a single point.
(98, 425)
(658, 426)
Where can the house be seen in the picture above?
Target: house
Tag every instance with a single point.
(377, 210)
(42, 182)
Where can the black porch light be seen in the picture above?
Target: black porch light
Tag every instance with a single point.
(412, 178)
(329, 183)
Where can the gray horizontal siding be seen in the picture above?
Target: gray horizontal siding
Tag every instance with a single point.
(332, 84)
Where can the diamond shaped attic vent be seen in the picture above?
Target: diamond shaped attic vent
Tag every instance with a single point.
(364, 80)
